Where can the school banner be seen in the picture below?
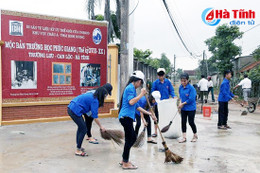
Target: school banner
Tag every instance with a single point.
(46, 56)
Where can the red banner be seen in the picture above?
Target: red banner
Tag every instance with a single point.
(46, 56)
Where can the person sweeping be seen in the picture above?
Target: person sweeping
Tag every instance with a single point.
(188, 107)
(145, 118)
(83, 104)
(128, 105)
(89, 118)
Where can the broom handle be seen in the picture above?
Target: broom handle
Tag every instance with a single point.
(174, 115)
(149, 105)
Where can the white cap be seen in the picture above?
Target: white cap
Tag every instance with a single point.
(160, 69)
(138, 74)
(157, 96)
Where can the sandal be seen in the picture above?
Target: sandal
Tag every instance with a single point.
(94, 142)
(154, 135)
(82, 154)
(132, 167)
(183, 140)
(227, 126)
(152, 142)
(194, 139)
(93, 138)
(82, 149)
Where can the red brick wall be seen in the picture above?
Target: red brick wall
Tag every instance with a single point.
(45, 111)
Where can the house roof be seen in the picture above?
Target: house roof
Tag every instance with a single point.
(247, 56)
(190, 72)
(250, 66)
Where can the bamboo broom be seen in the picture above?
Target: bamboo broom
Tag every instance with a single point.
(115, 135)
(140, 139)
(169, 155)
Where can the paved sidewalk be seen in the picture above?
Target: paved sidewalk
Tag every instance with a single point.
(49, 148)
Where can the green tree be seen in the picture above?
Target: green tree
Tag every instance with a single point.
(165, 63)
(179, 72)
(145, 56)
(112, 18)
(256, 53)
(141, 55)
(222, 47)
(99, 17)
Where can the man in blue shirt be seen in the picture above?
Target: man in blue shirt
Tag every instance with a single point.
(225, 95)
(166, 90)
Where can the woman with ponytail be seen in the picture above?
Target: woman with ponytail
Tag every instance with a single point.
(128, 105)
(83, 104)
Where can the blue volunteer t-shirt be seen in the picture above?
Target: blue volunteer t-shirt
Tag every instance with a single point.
(224, 92)
(188, 95)
(84, 103)
(142, 104)
(166, 89)
(128, 110)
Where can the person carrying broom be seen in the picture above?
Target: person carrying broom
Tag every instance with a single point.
(81, 105)
(128, 105)
(164, 86)
(188, 107)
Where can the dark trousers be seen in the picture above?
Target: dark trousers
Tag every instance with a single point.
(138, 123)
(130, 136)
(211, 89)
(88, 120)
(222, 113)
(156, 113)
(148, 120)
(203, 95)
(190, 115)
(82, 128)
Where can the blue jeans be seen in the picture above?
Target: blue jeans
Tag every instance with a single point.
(211, 89)
(82, 128)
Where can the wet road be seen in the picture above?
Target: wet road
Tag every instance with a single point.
(49, 147)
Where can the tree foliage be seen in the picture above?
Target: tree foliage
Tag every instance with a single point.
(256, 53)
(222, 47)
(145, 56)
(113, 18)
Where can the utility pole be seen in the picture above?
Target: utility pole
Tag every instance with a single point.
(124, 25)
(174, 70)
(203, 63)
(206, 64)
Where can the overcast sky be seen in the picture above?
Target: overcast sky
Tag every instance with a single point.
(152, 27)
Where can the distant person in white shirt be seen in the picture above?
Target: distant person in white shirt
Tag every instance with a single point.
(246, 86)
(203, 85)
(211, 88)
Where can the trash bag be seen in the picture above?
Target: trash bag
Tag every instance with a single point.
(167, 109)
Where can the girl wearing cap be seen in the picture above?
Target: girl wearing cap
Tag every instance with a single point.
(128, 105)
(83, 104)
(188, 107)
